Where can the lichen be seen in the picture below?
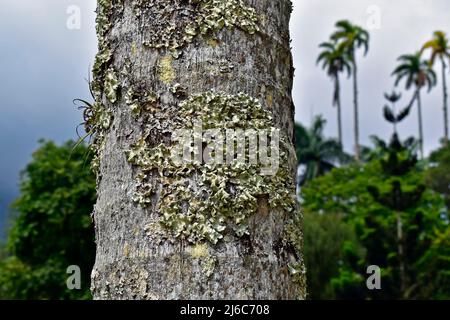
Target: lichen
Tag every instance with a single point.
(178, 90)
(225, 66)
(111, 85)
(208, 263)
(154, 231)
(197, 201)
(208, 267)
(190, 19)
(139, 101)
(97, 116)
(165, 70)
(104, 55)
(199, 250)
(294, 237)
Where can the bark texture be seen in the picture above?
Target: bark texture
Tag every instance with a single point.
(153, 56)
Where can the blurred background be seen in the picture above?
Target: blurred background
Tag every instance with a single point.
(386, 208)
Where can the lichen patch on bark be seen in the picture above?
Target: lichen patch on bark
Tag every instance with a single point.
(203, 202)
(166, 71)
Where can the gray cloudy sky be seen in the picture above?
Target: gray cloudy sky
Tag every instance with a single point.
(44, 65)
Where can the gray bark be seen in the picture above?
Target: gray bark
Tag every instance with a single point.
(356, 108)
(445, 97)
(419, 113)
(136, 258)
(339, 108)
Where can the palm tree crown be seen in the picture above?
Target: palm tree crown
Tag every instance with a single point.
(334, 59)
(351, 37)
(439, 46)
(316, 153)
(416, 71)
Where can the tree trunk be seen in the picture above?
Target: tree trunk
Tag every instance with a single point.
(339, 110)
(193, 231)
(356, 109)
(419, 112)
(444, 87)
(401, 254)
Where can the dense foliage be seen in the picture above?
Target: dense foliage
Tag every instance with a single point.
(53, 228)
(375, 200)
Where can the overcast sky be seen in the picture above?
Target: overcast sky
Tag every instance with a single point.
(44, 65)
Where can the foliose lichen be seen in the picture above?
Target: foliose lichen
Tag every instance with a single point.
(297, 269)
(140, 100)
(111, 85)
(193, 18)
(97, 116)
(202, 202)
(209, 265)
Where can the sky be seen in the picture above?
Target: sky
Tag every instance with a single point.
(45, 59)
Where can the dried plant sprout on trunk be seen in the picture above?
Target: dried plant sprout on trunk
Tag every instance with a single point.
(193, 231)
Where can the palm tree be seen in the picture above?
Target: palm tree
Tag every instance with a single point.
(350, 38)
(417, 73)
(440, 48)
(315, 152)
(335, 60)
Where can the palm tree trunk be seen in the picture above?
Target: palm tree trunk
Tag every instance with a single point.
(444, 86)
(152, 61)
(419, 111)
(356, 108)
(339, 110)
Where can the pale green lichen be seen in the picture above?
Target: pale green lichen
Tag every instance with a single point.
(297, 272)
(208, 267)
(111, 85)
(154, 231)
(294, 237)
(139, 101)
(97, 116)
(202, 202)
(193, 18)
(103, 25)
(208, 263)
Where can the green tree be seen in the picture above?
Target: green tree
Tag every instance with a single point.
(371, 196)
(350, 38)
(316, 153)
(435, 282)
(438, 175)
(53, 228)
(335, 61)
(417, 74)
(326, 237)
(440, 48)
